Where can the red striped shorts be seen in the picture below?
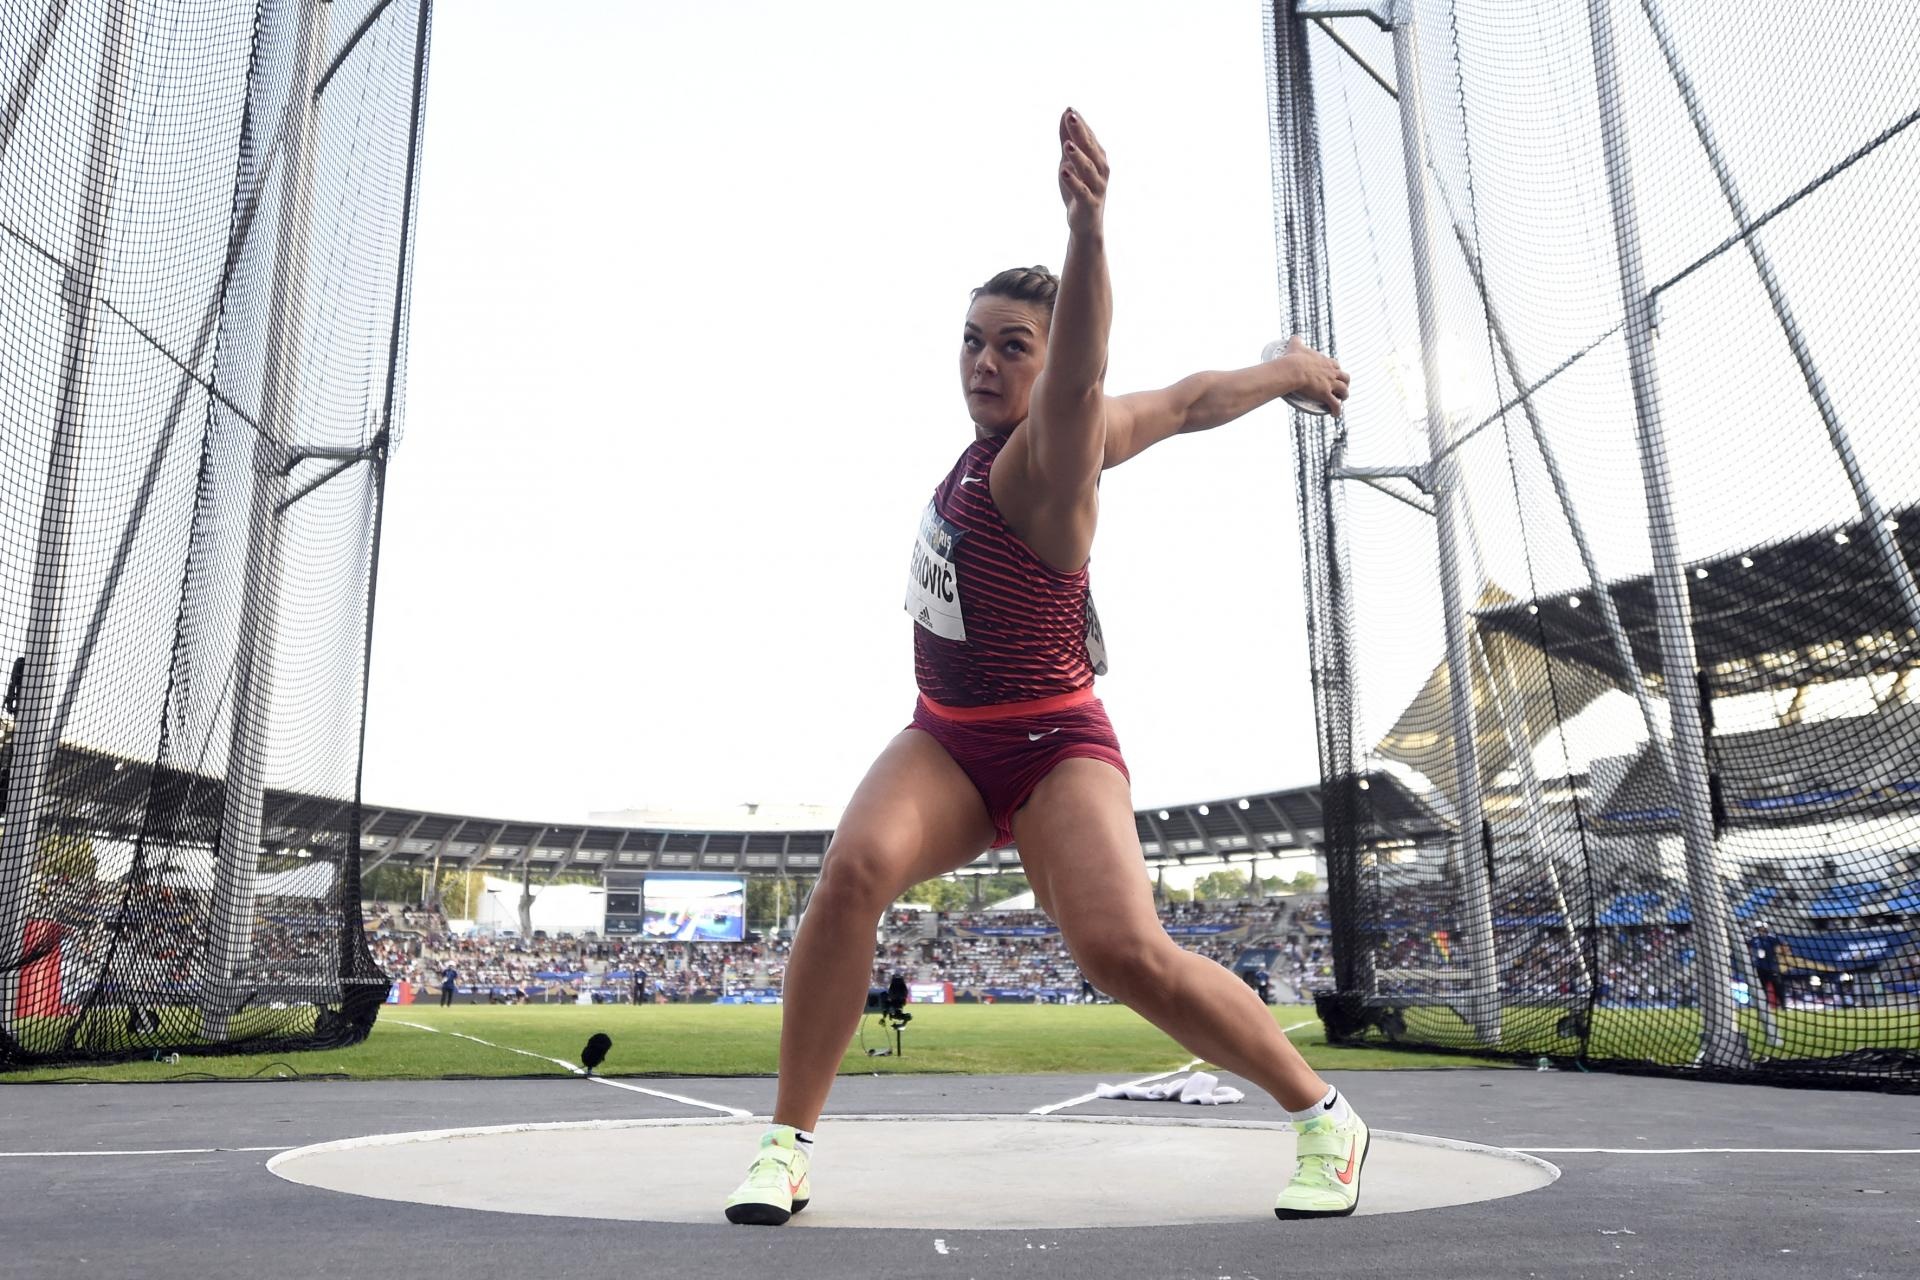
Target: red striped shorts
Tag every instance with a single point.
(1006, 750)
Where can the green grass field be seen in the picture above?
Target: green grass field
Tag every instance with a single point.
(1640, 1033)
(1110, 1040)
(725, 1040)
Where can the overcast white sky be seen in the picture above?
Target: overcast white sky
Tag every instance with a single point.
(684, 369)
(684, 364)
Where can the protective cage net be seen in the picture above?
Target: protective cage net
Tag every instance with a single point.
(205, 208)
(1611, 562)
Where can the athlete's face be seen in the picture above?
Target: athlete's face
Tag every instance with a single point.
(1002, 350)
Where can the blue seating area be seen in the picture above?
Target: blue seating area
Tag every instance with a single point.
(1628, 909)
(1843, 951)
(1667, 907)
(1843, 900)
(1905, 901)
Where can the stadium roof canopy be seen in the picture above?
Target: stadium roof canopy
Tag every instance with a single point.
(116, 795)
(1269, 824)
(1794, 774)
(1811, 609)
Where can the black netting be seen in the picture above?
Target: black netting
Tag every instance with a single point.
(205, 208)
(1611, 562)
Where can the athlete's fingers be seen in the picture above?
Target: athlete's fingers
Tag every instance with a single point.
(1072, 187)
(1083, 167)
(1081, 134)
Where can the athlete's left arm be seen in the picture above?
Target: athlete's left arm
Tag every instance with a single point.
(1203, 401)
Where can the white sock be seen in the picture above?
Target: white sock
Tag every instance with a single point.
(1333, 1105)
(802, 1138)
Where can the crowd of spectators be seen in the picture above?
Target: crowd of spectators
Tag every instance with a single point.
(1420, 946)
(1637, 949)
(416, 945)
(990, 963)
(418, 948)
(1423, 949)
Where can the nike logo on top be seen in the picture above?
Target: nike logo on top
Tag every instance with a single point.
(973, 480)
(1035, 737)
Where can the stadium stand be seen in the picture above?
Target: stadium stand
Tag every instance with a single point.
(1014, 956)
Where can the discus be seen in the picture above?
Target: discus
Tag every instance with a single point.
(1299, 400)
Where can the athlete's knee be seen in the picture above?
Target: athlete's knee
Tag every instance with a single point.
(859, 874)
(1122, 964)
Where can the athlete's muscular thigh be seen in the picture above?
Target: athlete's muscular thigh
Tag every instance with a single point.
(1082, 856)
(915, 816)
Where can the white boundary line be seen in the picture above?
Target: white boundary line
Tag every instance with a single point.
(161, 1151)
(285, 1157)
(1737, 1151)
(1050, 1108)
(580, 1071)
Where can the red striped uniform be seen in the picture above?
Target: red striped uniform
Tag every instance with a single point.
(1005, 647)
(1025, 623)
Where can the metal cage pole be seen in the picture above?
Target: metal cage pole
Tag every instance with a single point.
(21, 91)
(1722, 1043)
(1597, 584)
(1318, 445)
(34, 740)
(163, 444)
(230, 927)
(353, 944)
(1879, 524)
(1513, 721)
(1483, 1003)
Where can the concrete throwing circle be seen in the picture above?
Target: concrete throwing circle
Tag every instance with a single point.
(907, 1171)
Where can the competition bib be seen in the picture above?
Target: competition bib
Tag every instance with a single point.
(1096, 642)
(933, 584)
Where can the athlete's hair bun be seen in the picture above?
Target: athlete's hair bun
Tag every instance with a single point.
(1036, 285)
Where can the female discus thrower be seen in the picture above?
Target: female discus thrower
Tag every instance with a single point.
(1008, 742)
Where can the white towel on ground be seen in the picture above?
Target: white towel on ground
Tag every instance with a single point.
(1200, 1088)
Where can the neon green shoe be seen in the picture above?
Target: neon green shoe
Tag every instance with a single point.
(778, 1185)
(1326, 1171)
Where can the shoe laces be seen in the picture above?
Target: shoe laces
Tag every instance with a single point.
(770, 1167)
(1321, 1147)
(1313, 1171)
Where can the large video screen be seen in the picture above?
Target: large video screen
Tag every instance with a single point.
(694, 909)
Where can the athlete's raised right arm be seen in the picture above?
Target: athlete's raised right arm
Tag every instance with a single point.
(1066, 428)
(1202, 401)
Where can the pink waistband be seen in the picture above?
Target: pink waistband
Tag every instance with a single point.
(1010, 710)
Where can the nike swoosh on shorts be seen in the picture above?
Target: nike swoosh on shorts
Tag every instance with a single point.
(1035, 737)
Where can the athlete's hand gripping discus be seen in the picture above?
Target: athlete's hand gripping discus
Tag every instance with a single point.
(1298, 399)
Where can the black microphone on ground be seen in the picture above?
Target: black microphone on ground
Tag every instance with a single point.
(596, 1051)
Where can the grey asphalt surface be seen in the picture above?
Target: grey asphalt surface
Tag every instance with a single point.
(221, 1214)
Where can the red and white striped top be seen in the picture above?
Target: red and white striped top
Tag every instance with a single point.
(995, 623)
